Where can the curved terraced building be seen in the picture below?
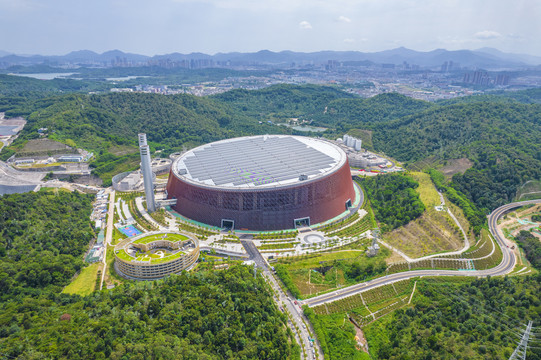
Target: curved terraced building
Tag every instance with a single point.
(155, 255)
(268, 182)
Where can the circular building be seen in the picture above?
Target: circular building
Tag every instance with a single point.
(268, 182)
(155, 255)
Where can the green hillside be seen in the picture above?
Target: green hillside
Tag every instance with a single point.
(502, 140)
(106, 123)
(348, 113)
(21, 85)
(475, 320)
(498, 133)
(204, 314)
(283, 101)
(171, 120)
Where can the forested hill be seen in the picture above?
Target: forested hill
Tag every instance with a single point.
(283, 101)
(171, 120)
(530, 96)
(20, 85)
(203, 314)
(502, 140)
(499, 133)
(346, 113)
(325, 105)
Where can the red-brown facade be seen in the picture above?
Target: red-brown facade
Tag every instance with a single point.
(275, 208)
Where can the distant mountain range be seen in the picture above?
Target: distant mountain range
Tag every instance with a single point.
(482, 58)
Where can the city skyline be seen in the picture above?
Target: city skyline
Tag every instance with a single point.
(213, 26)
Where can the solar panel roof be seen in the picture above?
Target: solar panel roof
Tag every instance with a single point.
(259, 161)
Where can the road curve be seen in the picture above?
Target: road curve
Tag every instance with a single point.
(506, 266)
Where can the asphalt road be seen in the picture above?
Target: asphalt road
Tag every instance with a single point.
(109, 233)
(295, 310)
(506, 266)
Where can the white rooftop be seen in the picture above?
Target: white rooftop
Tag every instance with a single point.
(259, 161)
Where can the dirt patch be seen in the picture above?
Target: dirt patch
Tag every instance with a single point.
(456, 166)
(520, 219)
(362, 344)
(121, 150)
(394, 258)
(45, 147)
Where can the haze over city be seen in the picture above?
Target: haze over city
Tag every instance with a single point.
(211, 26)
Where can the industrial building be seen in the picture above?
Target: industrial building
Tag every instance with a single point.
(268, 182)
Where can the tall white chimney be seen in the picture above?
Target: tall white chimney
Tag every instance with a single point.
(147, 172)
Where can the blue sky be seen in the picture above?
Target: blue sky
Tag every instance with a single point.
(55, 27)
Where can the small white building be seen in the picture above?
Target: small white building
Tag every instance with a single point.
(24, 161)
(70, 158)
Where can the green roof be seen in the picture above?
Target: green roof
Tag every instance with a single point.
(170, 237)
(168, 258)
(122, 254)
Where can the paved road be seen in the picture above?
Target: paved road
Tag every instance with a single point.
(506, 266)
(294, 309)
(108, 234)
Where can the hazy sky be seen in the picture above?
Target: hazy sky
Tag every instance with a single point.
(56, 27)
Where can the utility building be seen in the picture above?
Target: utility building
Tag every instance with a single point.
(268, 182)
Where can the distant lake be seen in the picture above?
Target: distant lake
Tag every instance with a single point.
(45, 76)
(125, 78)
(305, 128)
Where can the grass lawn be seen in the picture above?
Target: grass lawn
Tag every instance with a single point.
(313, 260)
(117, 236)
(426, 190)
(167, 257)
(84, 283)
(311, 282)
(111, 277)
(121, 150)
(122, 254)
(169, 237)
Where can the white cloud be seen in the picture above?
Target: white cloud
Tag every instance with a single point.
(343, 19)
(305, 25)
(487, 35)
(349, 41)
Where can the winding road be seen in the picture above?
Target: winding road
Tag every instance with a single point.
(506, 265)
(297, 316)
